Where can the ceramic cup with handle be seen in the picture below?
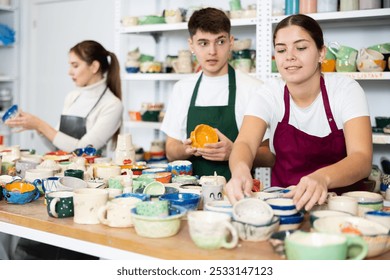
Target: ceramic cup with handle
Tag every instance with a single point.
(345, 57)
(117, 212)
(87, 203)
(210, 230)
(60, 204)
(324, 246)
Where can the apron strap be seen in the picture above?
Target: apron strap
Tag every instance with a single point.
(97, 102)
(232, 87)
(325, 99)
(328, 111)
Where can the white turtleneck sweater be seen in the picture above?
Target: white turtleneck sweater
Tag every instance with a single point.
(101, 123)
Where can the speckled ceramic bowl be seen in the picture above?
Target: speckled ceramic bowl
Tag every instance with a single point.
(376, 235)
(252, 211)
(155, 227)
(249, 232)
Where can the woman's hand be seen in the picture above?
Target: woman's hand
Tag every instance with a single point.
(219, 151)
(239, 187)
(311, 190)
(24, 121)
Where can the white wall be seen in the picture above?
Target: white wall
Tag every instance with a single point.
(49, 29)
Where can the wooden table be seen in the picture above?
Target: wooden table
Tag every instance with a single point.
(32, 221)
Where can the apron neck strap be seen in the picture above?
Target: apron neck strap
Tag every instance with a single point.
(104, 91)
(232, 87)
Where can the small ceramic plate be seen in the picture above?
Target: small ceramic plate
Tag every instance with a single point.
(154, 188)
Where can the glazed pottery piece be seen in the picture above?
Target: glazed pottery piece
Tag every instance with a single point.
(158, 227)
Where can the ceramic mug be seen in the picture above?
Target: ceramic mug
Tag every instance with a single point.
(77, 173)
(211, 192)
(345, 57)
(60, 204)
(21, 167)
(344, 204)
(51, 184)
(117, 212)
(243, 64)
(87, 203)
(324, 246)
(210, 230)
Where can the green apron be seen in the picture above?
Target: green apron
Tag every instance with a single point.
(221, 117)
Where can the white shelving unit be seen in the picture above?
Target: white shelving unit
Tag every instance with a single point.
(9, 61)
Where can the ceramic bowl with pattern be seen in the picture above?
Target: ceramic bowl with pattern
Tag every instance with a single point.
(250, 232)
(190, 201)
(222, 206)
(252, 211)
(291, 222)
(367, 201)
(282, 206)
(156, 227)
(180, 167)
(20, 192)
(376, 235)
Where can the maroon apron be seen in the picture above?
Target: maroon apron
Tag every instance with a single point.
(299, 154)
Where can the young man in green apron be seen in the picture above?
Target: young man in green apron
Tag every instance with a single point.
(217, 96)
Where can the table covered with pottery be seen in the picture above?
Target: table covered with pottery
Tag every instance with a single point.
(31, 221)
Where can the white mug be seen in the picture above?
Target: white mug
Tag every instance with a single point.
(87, 203)
(344, 204)
(117, 212)
(210, 230)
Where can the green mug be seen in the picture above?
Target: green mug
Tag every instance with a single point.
(345, 57)
(324, 246)
(60, 204)
(78, 173)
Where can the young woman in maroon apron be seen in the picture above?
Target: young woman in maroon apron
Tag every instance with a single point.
(313, 164)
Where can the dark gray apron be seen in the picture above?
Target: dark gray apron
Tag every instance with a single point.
(75, 126)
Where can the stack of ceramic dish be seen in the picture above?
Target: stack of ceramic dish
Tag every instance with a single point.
(254, 219)
(284, 208)
(367, 201)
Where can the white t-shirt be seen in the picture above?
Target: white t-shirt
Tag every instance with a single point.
(213, 91)
(346, 97)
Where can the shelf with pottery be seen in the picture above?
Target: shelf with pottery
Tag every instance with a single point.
(142, 124)
(151, 28)
(346, 15)
(154, 77)
(157, 77)
(356, 75)
(6, 8)
(6, 79)
(380, 138)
